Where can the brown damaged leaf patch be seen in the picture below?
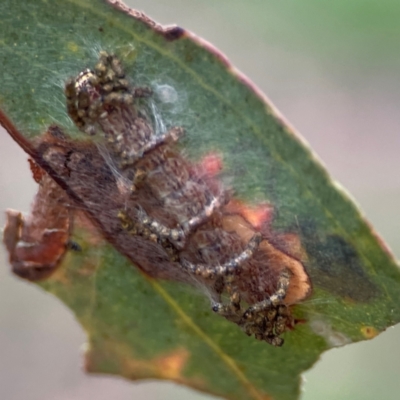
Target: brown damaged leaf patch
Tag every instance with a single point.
(167, 366)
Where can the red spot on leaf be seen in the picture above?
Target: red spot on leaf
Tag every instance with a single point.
(211, 164)
(257, 216)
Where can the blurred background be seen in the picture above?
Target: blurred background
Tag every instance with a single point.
(333, 69)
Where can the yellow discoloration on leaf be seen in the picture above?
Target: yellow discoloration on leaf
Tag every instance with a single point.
(369, 332)
(72, 46)
(88, 269)
(171, 365)
(60, 275)
(129, 52)
(168, 366)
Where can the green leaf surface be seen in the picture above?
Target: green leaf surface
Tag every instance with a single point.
(139, 327)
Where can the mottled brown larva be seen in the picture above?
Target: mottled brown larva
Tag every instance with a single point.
(184, 210)
(171, 217)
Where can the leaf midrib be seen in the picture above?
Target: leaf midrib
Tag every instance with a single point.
(242, 378)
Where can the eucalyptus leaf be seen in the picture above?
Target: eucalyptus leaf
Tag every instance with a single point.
(139, 327)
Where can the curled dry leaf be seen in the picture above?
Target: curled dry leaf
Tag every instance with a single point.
(37, 244)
